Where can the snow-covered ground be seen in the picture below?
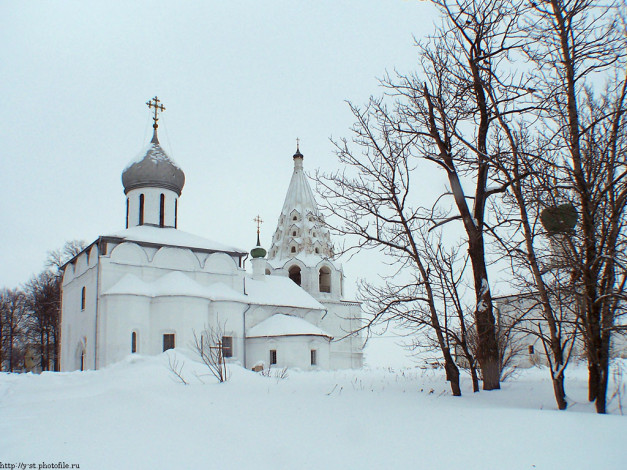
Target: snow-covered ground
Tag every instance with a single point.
(136, 415)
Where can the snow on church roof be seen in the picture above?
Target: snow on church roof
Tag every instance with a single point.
(279, 291)
(285, 325)
(171, 237)
(173, 284)
(274, 290)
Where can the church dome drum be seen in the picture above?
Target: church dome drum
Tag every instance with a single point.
(153, 169)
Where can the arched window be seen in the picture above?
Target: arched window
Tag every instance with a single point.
(294, 272)
(127, 212)
(133, 342)
(295, 218)
(294, 233)
(176, 213)
(317, 250)
(82, 359)
(267, 272)
(293, 249)
(324, 279)
(161, 210)
(141, 209)
(83, 298)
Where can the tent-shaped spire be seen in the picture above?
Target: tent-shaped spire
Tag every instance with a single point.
(300, 229)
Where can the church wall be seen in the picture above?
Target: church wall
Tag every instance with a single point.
(228, 317)
(78, 325)
(343, 318)
(117, 266)
(120, 315)
(179, 315)
(291, 351)
(152, 203)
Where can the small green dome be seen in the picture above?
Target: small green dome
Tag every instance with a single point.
(258, 252)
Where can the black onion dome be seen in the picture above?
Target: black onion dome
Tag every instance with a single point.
(153, 169)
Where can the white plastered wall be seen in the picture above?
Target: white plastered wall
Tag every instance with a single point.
(292, 351)
(152, 206)
(78, 326)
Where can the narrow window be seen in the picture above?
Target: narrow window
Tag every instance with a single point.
(293, 249)
(531, 349)
(168, 341)
(294, 233)
(227, 346)
(317, 251)
(294, 272)
(272, 356)
(127, 212)
(141, 209)
(162, 210)
(324, 279)
(133, 342)
(176, 213)
(82, 359)
(294, 218)
(314, 358)
(83, 298)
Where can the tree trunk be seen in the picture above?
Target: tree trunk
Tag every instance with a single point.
(475, 378)
(487, 344)
(452, 373)
(603, 376)
(560, 392)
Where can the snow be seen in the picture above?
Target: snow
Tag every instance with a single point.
(173, 284)
(285, 325)
(279, 290)
(154, 152)
(271, 290)
(135, 414)
(171, 237)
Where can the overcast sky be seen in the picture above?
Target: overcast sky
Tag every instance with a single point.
(240, 81)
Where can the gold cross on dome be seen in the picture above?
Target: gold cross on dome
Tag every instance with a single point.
(259, 222)
(154, 103)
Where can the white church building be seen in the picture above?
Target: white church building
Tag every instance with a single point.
(151, 287)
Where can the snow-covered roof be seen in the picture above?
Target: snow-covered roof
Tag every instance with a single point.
(171, 237)
(173, 284)
(279, 291)
(153, 169)
(285, 325)
(274, 290)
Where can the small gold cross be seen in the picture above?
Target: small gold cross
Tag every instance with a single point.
(259, 222)
(154, 103)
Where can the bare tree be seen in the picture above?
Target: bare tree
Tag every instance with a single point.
(447, 106)
(57, 258)
(44, 304)
(576, 45)
(12, 322)
(176, 368)
(210, 349)
(376, 207)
